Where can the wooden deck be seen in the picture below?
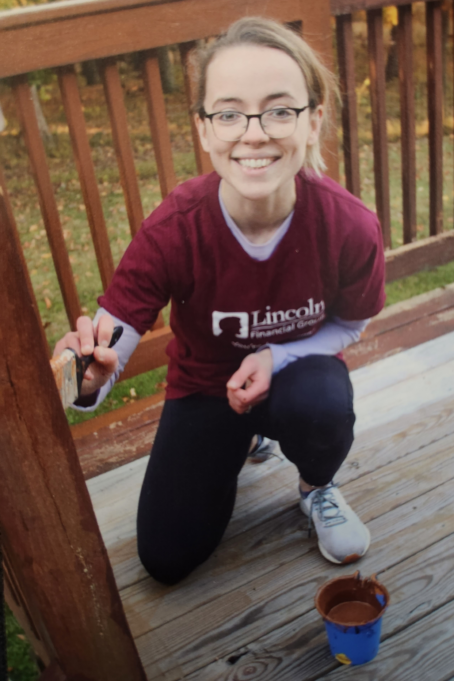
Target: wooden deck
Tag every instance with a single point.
(248, 612)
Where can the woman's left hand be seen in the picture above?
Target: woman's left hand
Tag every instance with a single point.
(251, 383)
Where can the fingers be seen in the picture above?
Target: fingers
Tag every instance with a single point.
(86, 333)
(105, 330)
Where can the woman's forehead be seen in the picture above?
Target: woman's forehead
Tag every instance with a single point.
(251, 72)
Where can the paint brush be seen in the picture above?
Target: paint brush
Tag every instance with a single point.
(69, 370)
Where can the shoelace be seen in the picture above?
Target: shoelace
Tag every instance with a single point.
(328, 509)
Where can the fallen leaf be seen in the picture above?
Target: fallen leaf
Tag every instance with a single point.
(33, 228)
(48, 302)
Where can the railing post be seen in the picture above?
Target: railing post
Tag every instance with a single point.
(46, 517)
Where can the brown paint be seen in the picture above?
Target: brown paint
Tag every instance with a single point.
(351, 600)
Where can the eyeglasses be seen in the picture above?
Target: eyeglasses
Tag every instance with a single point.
(230, 126)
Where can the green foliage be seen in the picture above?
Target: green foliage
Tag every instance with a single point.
(21, 664)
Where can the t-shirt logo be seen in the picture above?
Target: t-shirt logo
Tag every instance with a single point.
(268, 325)
(237, 322)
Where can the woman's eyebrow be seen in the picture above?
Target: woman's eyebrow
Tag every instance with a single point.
(265, 100)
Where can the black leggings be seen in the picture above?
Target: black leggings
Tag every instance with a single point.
(189, 489)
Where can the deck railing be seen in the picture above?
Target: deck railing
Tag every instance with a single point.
(60, 35)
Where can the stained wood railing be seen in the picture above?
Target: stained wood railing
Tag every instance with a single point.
(343, 10)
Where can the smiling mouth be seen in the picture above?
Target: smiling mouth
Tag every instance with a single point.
(255, 162)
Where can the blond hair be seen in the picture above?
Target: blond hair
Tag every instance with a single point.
(320, 81)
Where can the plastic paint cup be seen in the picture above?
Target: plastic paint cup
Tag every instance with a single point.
(352, 609)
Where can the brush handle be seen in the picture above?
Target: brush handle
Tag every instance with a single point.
(82, 363)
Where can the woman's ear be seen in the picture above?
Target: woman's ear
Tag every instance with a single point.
(201, 129)
(315, 124)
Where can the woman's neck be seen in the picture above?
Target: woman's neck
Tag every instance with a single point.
(258, 219)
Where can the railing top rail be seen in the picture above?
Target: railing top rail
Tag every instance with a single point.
(65, 9)
(69, 32)
(348, 6)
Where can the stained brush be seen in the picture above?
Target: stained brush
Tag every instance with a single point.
(69, 370)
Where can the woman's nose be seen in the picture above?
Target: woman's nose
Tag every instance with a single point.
(254, 132)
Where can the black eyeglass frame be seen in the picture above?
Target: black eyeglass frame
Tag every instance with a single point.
(203, 114)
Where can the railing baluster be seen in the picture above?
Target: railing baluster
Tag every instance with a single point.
(349, 115)
(377, 94)
(122, 143)
(203, 161)
(158, 123)
(46, 196)
(435, 113)
(407, 122)
(84, 163)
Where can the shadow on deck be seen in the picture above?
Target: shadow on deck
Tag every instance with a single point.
(248, 612)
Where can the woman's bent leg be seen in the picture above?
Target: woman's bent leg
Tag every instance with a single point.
(310, 409)
(189, 489)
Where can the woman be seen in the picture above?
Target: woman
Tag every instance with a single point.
(272, 270)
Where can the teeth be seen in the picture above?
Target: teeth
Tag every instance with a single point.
(255, 162)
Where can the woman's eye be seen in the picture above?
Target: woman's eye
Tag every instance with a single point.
(228, 116)
(279, 113)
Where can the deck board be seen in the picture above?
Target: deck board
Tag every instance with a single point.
(248, 612)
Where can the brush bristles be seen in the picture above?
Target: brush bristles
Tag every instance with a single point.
(64, 370)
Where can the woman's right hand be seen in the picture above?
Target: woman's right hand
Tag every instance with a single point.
(83, 342)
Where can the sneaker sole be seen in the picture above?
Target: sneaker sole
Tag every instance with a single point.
(352, 558)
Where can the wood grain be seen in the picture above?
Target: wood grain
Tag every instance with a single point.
(122, 143)
(407, 122)
(378, 103)
(158, 122)
(435, 114)
(346, 65)
(46, 197)
(420, 255)
(44, 39)
(84, 164)
(48, 526)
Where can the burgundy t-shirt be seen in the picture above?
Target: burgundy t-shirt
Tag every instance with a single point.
(225, 304)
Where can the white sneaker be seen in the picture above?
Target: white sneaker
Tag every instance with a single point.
(342, 537)
(262, 450)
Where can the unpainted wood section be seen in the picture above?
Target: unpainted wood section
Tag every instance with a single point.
(407, 122)
(255, 611)
(120, 30)
(158, 123)
(346, 65)
(202, 159)
(122, 143)
(339, 7)
(46, 197)
(12, 227)
(410, 310)
(76, 123)
(378, 104)
(43, 489)
(435, 114)
(402, 338)
(420, 255)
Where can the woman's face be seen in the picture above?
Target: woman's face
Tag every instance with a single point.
(252, 79)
